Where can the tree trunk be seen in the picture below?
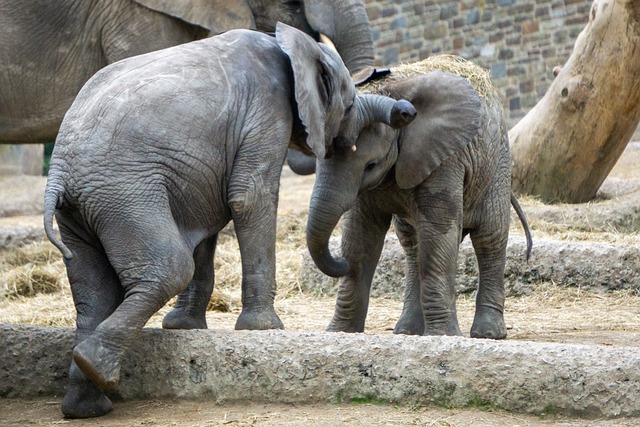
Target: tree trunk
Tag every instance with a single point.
(565, 147)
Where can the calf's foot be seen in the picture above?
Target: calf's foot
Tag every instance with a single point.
(179, 318)
(99, 363)
(488, 322)
(259, 319)
(83, 399)
(411, 322)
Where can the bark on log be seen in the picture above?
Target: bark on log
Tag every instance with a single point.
(294, 367)
(564, 148)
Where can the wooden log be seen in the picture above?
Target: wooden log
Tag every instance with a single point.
(564, 148)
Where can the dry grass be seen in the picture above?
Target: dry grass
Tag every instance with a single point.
(28, 275)
(31, 270)
(478, 77)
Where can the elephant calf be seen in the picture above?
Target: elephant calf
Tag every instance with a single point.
(158, 153)
(446, 175)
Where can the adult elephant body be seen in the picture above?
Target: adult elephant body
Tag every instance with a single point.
(444, 176)
(49, 49)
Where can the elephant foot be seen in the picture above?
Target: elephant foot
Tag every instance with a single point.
(259, 320)
(410, 324)
(488, 322)
(449, 328)
(181, 319)
(98, 363)
(86, 401)
(344, 326)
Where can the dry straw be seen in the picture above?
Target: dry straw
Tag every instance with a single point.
(478, 77)
(30, 270)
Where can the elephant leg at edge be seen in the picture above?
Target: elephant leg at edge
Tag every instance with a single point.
(488, 321)
(92, 279)
(191, 307)
(363, 235)
(411, 320)
(253, 209)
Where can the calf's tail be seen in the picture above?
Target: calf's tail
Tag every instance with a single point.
(53, 200)
(525, 225)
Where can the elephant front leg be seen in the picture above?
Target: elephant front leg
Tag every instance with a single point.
(191, 307)
(440, 232)
(254, 201)
(411, 320)
(363, 234)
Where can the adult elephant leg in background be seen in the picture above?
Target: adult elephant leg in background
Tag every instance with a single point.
(48, 50)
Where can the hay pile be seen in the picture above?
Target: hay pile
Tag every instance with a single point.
(30, 270)
(478, 77)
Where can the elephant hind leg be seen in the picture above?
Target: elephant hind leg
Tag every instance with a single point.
(96, 293)
(155, 266)
(411, 320)
(191, 307)
(490, 248)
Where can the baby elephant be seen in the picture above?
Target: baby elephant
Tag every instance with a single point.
(446, 175)
(157, 154)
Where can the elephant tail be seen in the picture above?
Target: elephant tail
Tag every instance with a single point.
(525, 225)
(53, 198)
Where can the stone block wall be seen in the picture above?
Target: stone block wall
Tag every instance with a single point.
(519, 41)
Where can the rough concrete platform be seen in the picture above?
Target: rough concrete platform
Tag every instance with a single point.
(293, 367)
(595, 266)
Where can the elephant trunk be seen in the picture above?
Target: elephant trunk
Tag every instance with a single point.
(325, 211)
(346, 23)
(387, 110)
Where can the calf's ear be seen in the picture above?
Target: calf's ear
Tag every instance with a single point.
(449, 117)
(321, 81)
(217, 16)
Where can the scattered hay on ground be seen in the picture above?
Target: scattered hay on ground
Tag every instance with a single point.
(29, 270)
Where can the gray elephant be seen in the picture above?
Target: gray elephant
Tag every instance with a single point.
(48, 49)
(158, 153)
(445, 176)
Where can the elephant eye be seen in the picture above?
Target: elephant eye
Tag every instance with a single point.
(349, 108)
(370, 166)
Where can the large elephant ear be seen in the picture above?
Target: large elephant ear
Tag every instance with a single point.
(449, 117)
(316, 83)
(216, 16)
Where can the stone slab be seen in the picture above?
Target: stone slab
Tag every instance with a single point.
(295, 367)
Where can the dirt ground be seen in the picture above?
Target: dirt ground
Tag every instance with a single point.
(552, 312)
(164, 413)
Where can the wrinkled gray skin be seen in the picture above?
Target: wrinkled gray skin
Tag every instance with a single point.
(157, 154)
(442, 177)
(49, 49)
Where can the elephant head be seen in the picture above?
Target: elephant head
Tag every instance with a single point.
(449, 116)
(332, 113)
(345, 22)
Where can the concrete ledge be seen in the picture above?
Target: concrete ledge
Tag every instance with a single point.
(589, 265)
(293, 367)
